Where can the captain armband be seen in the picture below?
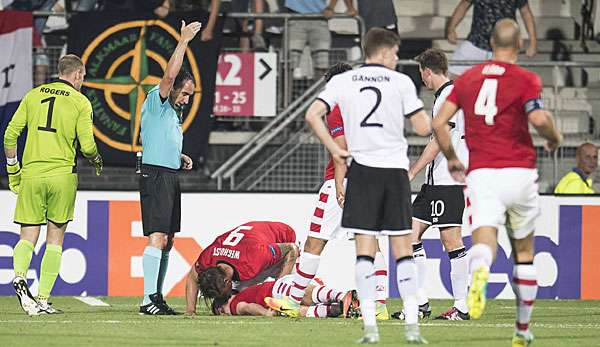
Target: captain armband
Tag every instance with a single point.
(533, 104)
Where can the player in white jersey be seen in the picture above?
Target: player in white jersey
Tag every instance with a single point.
(326, 225)
(374, 101)
(440, 203)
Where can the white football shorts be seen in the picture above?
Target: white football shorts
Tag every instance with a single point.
(507, 196)
(326, 221)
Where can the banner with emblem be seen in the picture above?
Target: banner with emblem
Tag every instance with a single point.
(125, 56)
(16, 32)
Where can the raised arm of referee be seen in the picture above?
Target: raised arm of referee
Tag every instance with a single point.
(160, 196)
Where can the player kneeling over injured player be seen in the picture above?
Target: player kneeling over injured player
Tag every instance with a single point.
(319, 300)
(246, 255)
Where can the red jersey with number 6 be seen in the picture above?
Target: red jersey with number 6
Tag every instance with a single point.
(249, 248)
(496, 99)
(335, 124)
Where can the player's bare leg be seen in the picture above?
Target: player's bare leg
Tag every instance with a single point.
(366, 246)
(407, 277)
(459, 273)
(23, 252)
(482, 254)
(525, 288)
(306, 270)
(51, 265)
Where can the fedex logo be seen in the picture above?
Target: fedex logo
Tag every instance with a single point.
(109, 261)
(566, 269)
(83, 268)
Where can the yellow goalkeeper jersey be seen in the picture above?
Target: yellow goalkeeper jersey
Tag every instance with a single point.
(58, 118)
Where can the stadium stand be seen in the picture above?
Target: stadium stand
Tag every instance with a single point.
(291, 160)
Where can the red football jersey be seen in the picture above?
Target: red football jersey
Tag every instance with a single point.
(496, 99)
(255, 294)
(249, 249)
(335, 124)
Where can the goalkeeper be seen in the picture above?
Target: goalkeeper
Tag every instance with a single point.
(58, 117)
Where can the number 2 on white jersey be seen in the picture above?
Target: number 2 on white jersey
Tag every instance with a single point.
(486, 100)
(236, 236)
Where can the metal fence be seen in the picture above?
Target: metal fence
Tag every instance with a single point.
(299, 161)
(292, 160)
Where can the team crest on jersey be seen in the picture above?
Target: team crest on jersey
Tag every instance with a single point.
(123, 63)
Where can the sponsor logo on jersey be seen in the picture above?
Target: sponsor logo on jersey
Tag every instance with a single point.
(123, 63)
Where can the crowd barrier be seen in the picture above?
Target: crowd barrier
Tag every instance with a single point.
(104, 244)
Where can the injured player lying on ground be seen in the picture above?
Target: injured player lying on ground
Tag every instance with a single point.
(319, 300)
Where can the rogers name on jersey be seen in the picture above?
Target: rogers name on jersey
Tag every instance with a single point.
(226, 252)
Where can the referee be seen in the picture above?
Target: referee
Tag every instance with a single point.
(160, 196)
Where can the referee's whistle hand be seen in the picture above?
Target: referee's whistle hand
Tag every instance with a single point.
(186, 162)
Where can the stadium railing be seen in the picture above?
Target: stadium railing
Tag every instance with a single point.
(283, 172)
(305, 150)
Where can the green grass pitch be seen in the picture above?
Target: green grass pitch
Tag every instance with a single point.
(555, 323)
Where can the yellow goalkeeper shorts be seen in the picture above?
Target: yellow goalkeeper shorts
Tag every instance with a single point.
(46, 199)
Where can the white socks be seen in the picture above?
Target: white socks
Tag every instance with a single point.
(365, 283)
(406, 273)
(420, 258)
(305, 272)
(459, 276)
(525, 288)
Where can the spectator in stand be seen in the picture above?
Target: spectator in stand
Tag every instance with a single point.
(213, 7)
(378, 13)
(258, 6)
(160, 8)
(86, 5)
(485, 14)
(579, 180)
(315, 32)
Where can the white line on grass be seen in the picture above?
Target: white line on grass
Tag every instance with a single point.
(561, 308)
(468, 325)
(90, 300)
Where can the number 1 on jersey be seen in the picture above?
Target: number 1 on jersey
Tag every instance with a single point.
(48, 126)
(486, 100)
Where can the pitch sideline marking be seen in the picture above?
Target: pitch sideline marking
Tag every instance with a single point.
(250, 322)
(90, 300)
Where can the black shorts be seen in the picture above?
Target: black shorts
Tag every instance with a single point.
(160, 198)
(439, 206)
(377, 201)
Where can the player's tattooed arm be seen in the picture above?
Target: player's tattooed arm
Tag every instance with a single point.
(314, 118)
(174, 65)
(250, 309)
(289, 254)
(339, 173)
(191, 292)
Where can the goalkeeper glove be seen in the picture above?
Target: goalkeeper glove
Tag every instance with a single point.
(14, 177)
(97, 162)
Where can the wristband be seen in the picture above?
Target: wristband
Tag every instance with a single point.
(11, 161)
